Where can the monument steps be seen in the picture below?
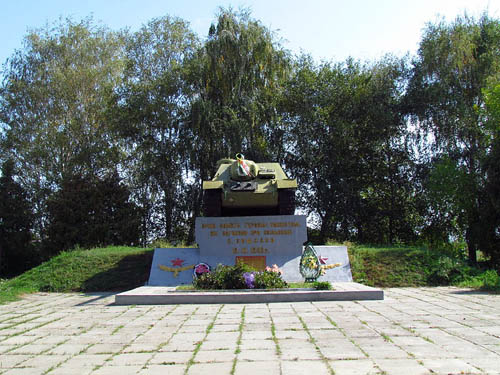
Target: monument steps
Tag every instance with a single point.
(161, 295)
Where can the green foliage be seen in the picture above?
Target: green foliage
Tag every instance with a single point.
(401, 266)
(16, 219)
(322, 285)
(165, 243)
(224, 277)
(446, 270)
(488, 280)
(238, 77)
(53, 102)
(231, 277)
(161, 107)
(91, 212)
(269, 280)
(455, 63)
(346, 124)
(149, 114)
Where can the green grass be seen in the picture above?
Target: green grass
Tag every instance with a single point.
(101, 269)
(393, 266)
(124, 268)
(411, 266)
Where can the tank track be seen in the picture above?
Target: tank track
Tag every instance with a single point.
(286, 202)
(212, 203)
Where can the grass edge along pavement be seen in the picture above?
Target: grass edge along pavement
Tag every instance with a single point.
(114, 268)
(117, 268)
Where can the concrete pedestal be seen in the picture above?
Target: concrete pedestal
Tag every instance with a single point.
(257, 240)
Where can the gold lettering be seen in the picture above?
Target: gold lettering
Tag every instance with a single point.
(278, 225)
(210, 226)
(283, 232)
(255, 225)
(230, 225)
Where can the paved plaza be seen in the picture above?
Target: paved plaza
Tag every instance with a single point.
(412, 331)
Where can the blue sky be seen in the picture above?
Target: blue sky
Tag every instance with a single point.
(327, 29)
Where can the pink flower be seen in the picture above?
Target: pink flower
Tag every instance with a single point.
(275, 268)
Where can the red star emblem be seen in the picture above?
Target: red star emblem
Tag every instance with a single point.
(177, 262)
(322, 259)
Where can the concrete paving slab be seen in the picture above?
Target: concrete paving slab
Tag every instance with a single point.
(204, 356)
(302, 367)
(261, 367)
(411, 331)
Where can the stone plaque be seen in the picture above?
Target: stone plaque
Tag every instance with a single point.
(251, 235)
(257, 262)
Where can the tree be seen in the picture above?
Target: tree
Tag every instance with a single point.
(91, 212)
(238, 76)
(53, 102)
(453, 66)
(490, 239)
(16, 219)
(347, 149)
(238, 79)
(149, 114)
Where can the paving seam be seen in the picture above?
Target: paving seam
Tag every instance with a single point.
(83, 351)
(275, 339)
(381, 334)
(171, 336)
(428, 293)
(207, 331)
(142, 334)
(462, 324)
(313, 341)
(97, 367)
(441, 329)
(238, 342)
(342, 330)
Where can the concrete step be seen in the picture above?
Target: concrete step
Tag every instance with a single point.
(159, 295)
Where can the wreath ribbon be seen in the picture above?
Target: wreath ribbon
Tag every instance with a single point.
(244, 166)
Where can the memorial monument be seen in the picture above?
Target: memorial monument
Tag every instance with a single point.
(249, 217)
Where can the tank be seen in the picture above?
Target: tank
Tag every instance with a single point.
(242, 187)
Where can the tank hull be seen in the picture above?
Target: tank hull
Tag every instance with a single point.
(264, 190)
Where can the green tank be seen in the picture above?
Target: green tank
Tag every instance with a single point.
(242, 187)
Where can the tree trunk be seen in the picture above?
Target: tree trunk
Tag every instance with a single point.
(471, 239)
(325, 223)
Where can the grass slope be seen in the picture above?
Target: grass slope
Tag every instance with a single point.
(102, 269)
(124, 268)
(397, 266)
(406, 266)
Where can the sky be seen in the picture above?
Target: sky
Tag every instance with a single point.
(329, 30)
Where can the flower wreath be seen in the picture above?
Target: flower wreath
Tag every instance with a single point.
(200, 269)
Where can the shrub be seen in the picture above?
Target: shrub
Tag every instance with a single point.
(240, 276)
(488, 280)
(322, 285)
(224, 277)
(269, 280)
(446, 269)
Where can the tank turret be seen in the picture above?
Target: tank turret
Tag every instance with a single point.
(242, 187)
